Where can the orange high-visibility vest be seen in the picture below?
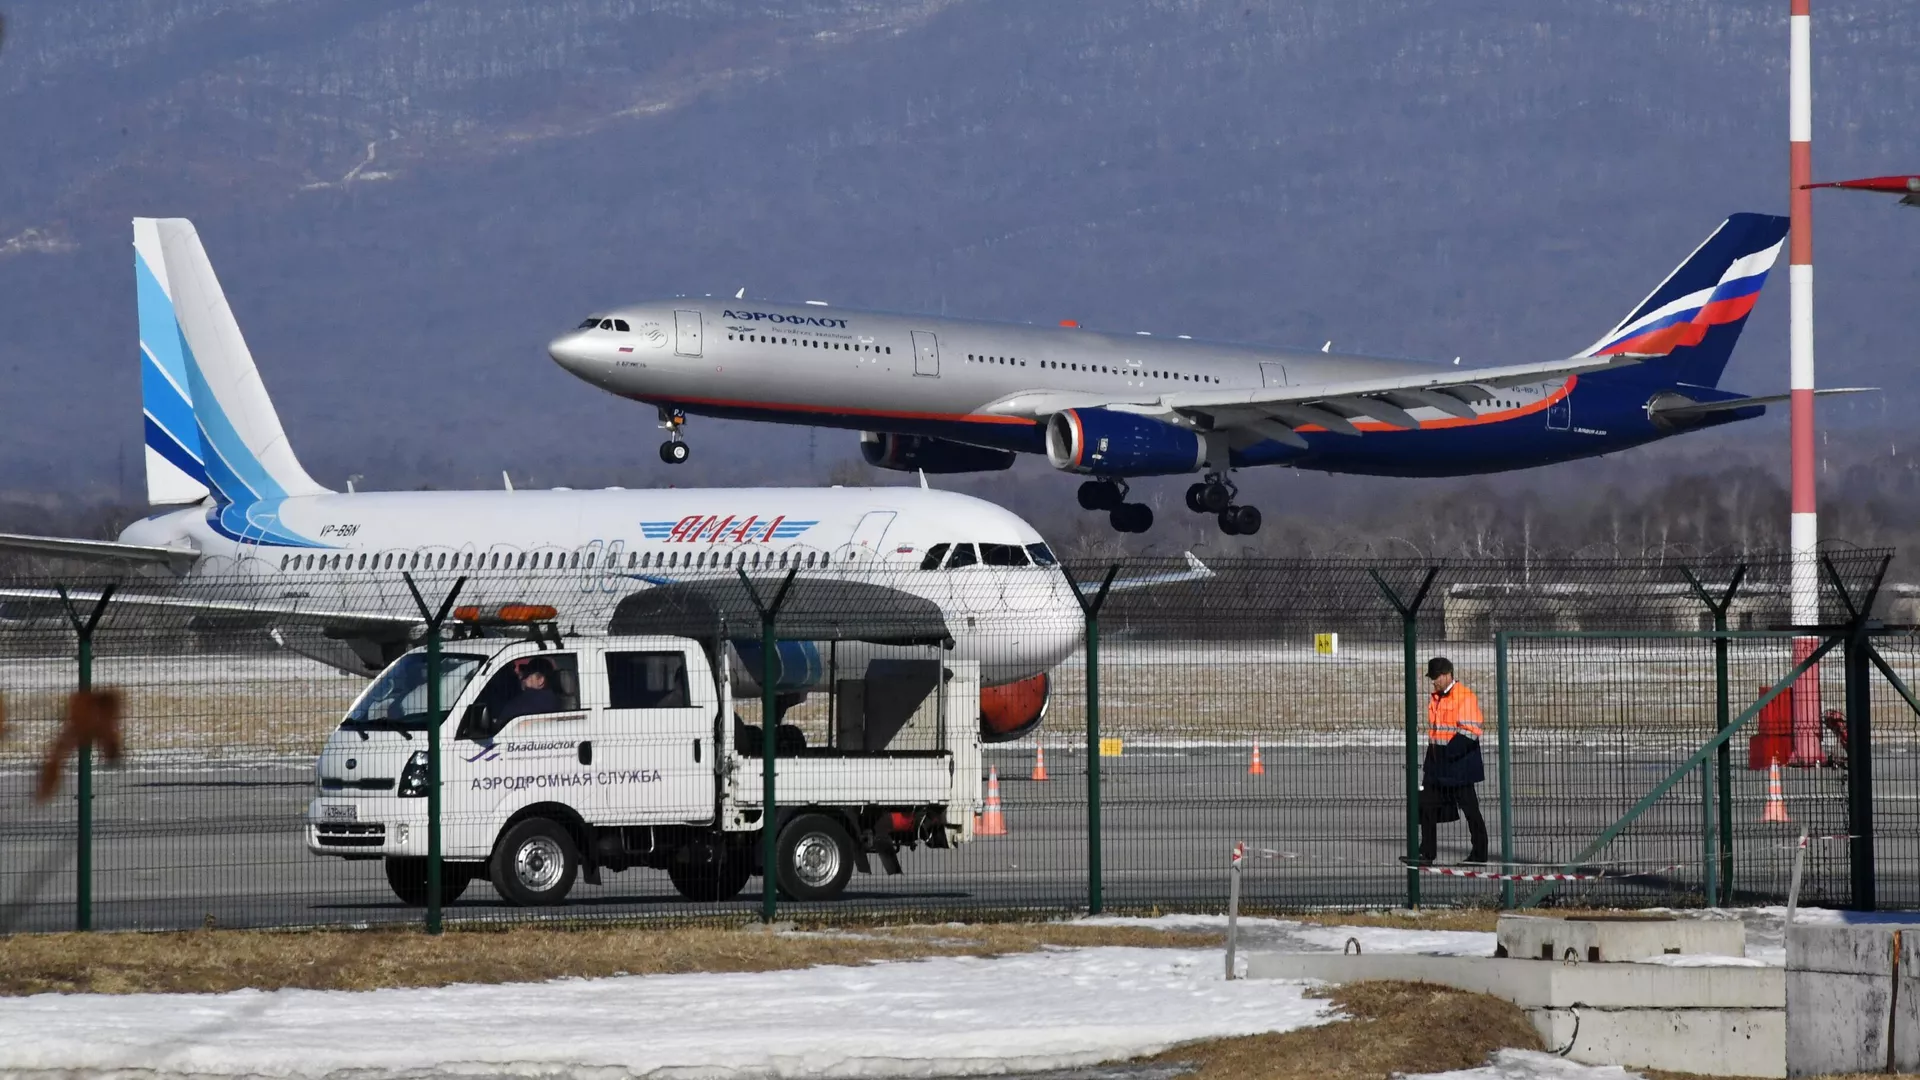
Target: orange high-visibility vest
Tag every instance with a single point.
(1455, 712)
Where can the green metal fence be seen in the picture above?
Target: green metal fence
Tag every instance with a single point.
(1605, 682)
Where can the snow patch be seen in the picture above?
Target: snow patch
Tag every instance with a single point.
(957, 1016)
(1532, 1065)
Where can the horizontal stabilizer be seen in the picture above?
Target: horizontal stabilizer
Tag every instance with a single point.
(1682, 408)
(1195, 571)
(177, 559)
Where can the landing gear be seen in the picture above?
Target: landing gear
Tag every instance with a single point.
(673, 451)
(1111, 496)
(1215, 496)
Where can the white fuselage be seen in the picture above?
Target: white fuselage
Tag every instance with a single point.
(582, 552)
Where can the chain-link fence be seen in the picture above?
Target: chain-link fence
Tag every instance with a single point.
(939, 742)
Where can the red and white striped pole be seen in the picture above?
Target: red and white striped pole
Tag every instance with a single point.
(1805, 528)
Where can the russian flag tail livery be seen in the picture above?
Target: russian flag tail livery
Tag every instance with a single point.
(247, 462)
(176, 470)
(1693, 319)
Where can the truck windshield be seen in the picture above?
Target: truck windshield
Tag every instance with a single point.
(397, 700)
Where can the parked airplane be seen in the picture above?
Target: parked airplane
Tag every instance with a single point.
(263, 540)
(951, 395)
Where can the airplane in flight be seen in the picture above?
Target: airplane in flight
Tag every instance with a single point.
(241, 530)
(945, 395)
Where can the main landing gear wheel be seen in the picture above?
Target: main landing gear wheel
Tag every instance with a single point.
(1131, 518)
(1240, 520)
(675, 452)
(1101, 495)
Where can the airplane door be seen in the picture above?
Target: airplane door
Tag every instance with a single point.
(926, 354)
(1560, 415)
(686, 333)
(871, 533)
(1273, 374)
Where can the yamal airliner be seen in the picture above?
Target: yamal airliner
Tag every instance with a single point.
(241, 531)
(945, 395)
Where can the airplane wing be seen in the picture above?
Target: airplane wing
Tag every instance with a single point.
(178, 559)
(1195, 571)
(285, 612)
(1275, 411)
(1685, 409)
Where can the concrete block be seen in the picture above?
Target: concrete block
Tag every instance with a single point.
(1713, 1042)
(1728, 1021)
(1842, 1002)
(1618, 938)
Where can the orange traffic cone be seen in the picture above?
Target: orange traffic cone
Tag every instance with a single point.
(992, 823)
(1255, 768)
(1039, 762)
(1776, 801)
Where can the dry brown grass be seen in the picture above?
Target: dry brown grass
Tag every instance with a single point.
(1394, 1028)
(213, 961)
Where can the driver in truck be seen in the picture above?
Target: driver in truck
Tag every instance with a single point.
(534, 673)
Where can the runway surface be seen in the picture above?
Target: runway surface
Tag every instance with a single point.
(184, 845)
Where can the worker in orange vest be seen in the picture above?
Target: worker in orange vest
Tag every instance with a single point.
(1453, 766)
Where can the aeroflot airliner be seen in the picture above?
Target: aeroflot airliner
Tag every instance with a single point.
(262, 538)
(953, 395)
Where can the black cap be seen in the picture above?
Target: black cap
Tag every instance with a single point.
(1439, 666)
(531, 665)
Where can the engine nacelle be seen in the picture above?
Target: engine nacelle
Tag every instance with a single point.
(1013, 709)
(923, 453)
(1107, 443)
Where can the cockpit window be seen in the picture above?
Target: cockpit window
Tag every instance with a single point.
(1003, 555)
(591, 322)
(934, 555)
(962, 556)
(1042, 555)
(606, 324)
(620, 325)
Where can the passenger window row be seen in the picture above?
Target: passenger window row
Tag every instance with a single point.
(1104, 369)
(1008, 361)
(813, 343)
(551, 560)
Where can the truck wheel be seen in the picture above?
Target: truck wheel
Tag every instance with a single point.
(710, 882)
(408, 876)
(534, 863)
(816, 858)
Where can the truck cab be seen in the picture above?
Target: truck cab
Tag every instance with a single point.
(569, 760)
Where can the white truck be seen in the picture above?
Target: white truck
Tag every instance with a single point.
(595, 755)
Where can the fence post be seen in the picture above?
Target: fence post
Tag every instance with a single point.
(1857, 661)
(1096, 899)
(769, 725)
(1501, 690)
(1723, 715)
(83, 770)
(1410, 641)
(435, 620)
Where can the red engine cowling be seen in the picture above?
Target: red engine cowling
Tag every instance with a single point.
(1012, 709)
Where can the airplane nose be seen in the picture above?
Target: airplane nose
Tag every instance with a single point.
(575, 352)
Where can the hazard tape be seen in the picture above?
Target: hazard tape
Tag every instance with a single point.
(1492, 875)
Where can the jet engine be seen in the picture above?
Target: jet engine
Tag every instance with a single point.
(1102, 442)
(1012, 709)
(923, 453)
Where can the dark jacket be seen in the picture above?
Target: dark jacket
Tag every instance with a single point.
(1455, 763)
(528, 703)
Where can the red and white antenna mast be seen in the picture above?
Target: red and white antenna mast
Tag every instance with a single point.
(1804, 532)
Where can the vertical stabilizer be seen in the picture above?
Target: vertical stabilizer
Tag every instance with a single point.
(243, 446)
(176, 472)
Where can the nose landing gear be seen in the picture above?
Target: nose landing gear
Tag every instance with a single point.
(674, 451)
(1215, 496)
(1111, 496)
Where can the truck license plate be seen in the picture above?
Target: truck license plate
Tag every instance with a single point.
(340, 813)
